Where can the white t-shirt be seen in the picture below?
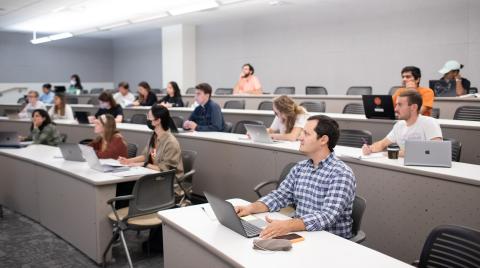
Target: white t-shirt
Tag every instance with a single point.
(424, 129)
(67, 116)
(278, 125)
(29, 108)
(124, 101)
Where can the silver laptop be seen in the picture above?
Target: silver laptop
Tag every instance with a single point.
(225, 213)
(258, 133)
(71, 152)
(9, 139)
(94, 163)
(428, 153)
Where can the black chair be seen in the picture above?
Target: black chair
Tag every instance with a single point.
(353, 108)
(139, 119)
(228, 126)
(265, 106)
(311, 90)
(22, 100)
(84, 91)
(456, 149)
(224, 91)
(188, 160)
(451, 246)
(63, 137)
(393, 90)
(157, 90)
(97, 90)
(284, 91)
(472, 90)
(71, 99)
(354, 137)
(275, 183)
(436, 113)
(359, 90)
(471, 113)
(93, 101)
(131, 150)
(239, 127)
(359, 205)
(151, 193)
(234, 104)
(178, 120)
(190, 90)
(314, 106)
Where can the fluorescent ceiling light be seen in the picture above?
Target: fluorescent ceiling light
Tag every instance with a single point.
(193, 8)
(40, 40)
(60, 36)
(111, 26)
(143, 19)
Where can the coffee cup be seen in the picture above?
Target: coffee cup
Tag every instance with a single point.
(393, 151)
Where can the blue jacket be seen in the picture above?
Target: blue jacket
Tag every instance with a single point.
(208, 117)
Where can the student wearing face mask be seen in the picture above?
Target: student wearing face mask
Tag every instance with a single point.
(75, 84)
(248, 83)
(108, 106)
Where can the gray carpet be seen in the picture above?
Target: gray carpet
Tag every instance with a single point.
(25, 243)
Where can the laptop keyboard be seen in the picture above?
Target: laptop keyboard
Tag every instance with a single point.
(251, 229)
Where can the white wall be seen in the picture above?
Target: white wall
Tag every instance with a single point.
(337, 45)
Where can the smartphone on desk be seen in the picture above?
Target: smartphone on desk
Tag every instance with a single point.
(294, 238)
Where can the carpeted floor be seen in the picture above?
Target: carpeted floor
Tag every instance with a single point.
(25, 243)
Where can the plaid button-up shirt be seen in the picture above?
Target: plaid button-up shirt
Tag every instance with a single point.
(323, 196)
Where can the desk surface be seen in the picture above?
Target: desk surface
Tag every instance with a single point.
(322, 249)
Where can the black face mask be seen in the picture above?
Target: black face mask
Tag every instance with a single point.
(149, 125)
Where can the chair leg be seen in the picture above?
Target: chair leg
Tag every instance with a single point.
(113, 239)
(122, 237)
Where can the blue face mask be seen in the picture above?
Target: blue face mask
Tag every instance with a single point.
(103, 105)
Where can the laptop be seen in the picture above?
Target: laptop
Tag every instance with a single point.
(428, 153)
(82, 117)
(102, 166)
(378, 106)
(71, 152)
(9, 139)
(259, 133)
(443, 88)
(58, 89)
(225, 213)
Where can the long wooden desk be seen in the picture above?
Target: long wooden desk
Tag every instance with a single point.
(204, 242)
(66, 197)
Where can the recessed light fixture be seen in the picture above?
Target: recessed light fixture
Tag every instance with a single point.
(193, 8)
(49, 38)
(112, 26)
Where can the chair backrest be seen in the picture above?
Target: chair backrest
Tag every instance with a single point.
(178, 120)
(472, 90)
(265, 105)
(456, 149)
(284, 91)
(234, 104)
(314, 106)
(359, 205)
(188, 159)
(71, 99)
(359, 90)
(451, 246)
(354, 137)
(228, 126)
(63, 137)
(471, 113)
(436, 113)
(85, 141)
(131, 150)
(22, 100)
(312, 90)
(353, 108)
(393, 90)
(286, 169)
(190, 90)
(139, 119)
(157, 90)
(224, 91)
(152, 192)
(239, 127)
(97, 90)
(93, 101)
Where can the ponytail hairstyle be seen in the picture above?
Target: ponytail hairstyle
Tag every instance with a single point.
(290, 109)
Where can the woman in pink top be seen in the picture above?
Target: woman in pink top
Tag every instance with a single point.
(248, 83)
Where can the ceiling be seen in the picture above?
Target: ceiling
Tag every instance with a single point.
(116, 18)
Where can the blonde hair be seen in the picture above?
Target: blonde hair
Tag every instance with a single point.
(290, 109)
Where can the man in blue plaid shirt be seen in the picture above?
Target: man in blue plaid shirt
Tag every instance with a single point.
(322, 188)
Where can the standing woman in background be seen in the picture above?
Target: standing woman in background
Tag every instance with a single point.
(174, 97)
(75, 84)
(42, 130)
(60, 110)
(145, 95)
(109, 143)
(290, 118)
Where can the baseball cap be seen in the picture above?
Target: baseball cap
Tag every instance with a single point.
(450, 65)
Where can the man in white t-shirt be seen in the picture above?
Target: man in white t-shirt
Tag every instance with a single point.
(32, 105)
(410, 126)
(123, 96)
